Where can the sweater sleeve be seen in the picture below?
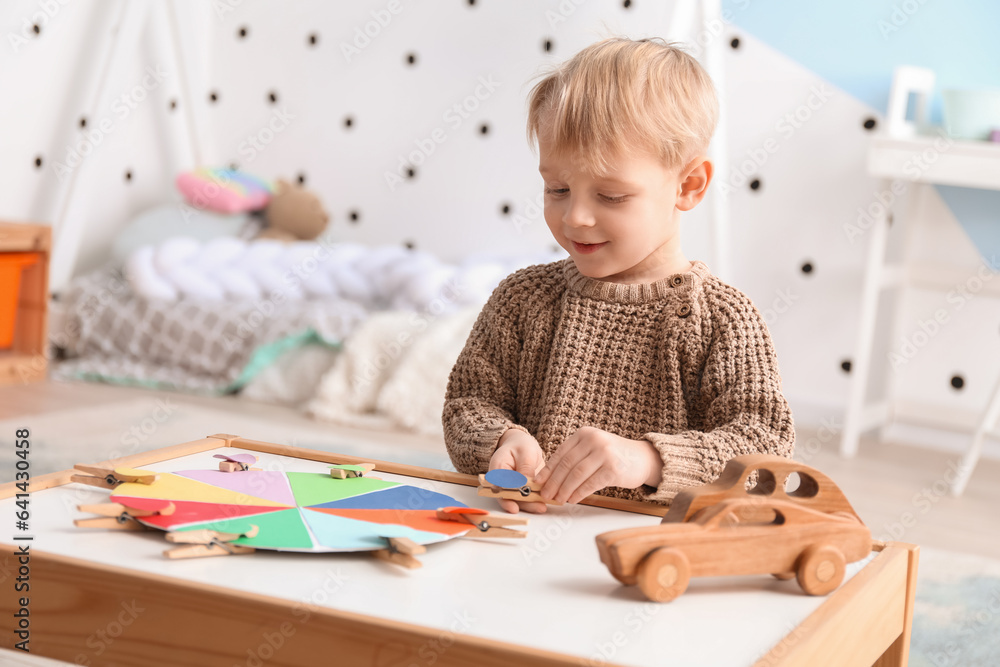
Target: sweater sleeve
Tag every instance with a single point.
(479, 402)
(744, 411)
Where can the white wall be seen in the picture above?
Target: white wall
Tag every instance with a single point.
(812, 184)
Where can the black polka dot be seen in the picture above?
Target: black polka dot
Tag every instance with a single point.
(505, 208)
(845, 365)
(627, 3)
(411, 172)
(354, 216)
(173, 104)
(301, 178)
(38, 161)
(807, 268)
(348, 122)
(755, 184)
(410, 245)
(957, 381)
(37, 29)
(547, 46)
(735, 42)
(313, 39)
(555, 248)
(870, 123)
(233, 166)
(128, 176)
(484, 129)
(213, 97)
(83, 121)
(411, 58)
(242, 32)
(472, 3)
(272, 97)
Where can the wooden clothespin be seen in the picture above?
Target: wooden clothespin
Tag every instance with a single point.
(121, 515)
(487, 525)
(201, 543)
(236, 462)
(401, 551)
(512, 485)
(109, 478)
(345, 470)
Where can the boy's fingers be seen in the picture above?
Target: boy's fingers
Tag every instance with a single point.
(513, 507)
(581, 473)
(534, 508)
(508, 506)
(565, 446)
(560, 469)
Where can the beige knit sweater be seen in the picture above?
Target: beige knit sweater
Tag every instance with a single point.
(685, 362)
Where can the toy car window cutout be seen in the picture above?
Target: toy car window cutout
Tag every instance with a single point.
(801, 485)
(748, 515)
(761, 482)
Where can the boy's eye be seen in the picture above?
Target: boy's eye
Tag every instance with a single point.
(556, 191)
(614, 200)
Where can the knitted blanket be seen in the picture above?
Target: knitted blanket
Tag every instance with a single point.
(114, 335)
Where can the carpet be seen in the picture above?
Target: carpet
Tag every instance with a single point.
(956, 615)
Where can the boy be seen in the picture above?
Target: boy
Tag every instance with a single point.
(625, 369)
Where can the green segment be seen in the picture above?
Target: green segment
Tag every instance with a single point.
(278, 530)
(316, 488)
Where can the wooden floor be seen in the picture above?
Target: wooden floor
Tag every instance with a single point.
(899, 490)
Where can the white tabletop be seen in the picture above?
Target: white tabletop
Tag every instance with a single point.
(548, 591)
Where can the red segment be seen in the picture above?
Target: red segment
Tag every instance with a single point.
(187, 511)
(463, 510)
(417, 519)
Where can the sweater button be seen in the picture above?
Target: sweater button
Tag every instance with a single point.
(676, 281)
(683, 310)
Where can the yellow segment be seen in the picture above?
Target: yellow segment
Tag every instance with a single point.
(175, 487)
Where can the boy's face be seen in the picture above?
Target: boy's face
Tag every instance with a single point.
(622, 226)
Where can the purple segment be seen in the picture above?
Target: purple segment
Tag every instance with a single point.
(248, 459)
(267, 484)
(506, 479)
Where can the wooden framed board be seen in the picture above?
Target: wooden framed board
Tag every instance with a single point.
(109, 597)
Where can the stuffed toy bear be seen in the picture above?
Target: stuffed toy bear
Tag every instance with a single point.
(293, 214)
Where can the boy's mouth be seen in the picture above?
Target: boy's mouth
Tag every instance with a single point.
(588, 247)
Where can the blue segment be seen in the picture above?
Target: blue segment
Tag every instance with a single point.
(402, 497)
(506, 479)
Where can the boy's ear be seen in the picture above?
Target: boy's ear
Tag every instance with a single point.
(694, 180)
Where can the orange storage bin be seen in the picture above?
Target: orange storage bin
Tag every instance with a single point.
(11, 266)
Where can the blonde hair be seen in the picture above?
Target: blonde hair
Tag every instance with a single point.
(621, 95)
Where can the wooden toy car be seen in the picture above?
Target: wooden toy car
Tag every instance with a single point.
(749, 521)
(738, 536)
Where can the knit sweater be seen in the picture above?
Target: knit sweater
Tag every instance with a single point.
(685, 363)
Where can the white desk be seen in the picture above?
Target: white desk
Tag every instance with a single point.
(544, 600)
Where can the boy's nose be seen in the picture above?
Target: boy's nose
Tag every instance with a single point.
(578, 215)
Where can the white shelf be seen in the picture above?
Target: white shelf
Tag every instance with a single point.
(936, 159)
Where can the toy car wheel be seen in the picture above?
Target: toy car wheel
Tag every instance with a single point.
(664, 574)
(821, 569)
(783, 576)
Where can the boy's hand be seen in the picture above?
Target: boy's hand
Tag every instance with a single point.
(521, 452)
(592, 459)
